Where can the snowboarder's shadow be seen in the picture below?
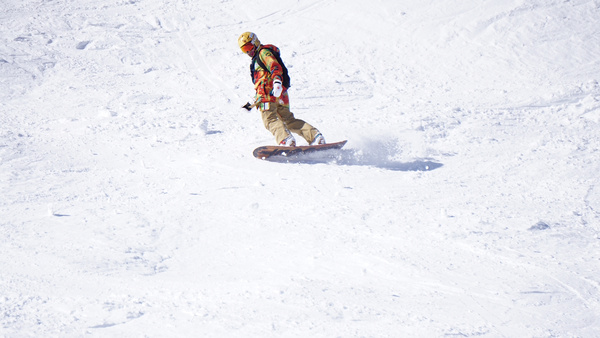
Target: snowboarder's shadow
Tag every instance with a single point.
(350, 157)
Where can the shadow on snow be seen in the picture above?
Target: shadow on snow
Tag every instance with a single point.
(351, 157)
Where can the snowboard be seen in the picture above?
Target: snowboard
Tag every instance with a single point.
(265, 152)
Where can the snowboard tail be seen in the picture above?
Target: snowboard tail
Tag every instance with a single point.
(265, 152)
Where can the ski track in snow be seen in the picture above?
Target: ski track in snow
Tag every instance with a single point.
(466, 202)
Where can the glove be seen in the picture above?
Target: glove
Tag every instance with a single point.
(277, 88)
(248, 106)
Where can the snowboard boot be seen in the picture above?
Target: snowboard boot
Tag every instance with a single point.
(289, 141)
(319, 139)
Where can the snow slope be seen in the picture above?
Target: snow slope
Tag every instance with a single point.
(466, 202)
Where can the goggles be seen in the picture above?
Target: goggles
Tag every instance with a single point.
(247, 47)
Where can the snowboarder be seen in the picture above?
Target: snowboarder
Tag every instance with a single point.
(271, 83)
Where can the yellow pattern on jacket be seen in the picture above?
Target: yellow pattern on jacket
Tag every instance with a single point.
(263, 78)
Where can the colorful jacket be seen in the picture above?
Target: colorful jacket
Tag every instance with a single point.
(263, 78)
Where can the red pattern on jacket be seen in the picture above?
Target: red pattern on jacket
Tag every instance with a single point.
(263, 78)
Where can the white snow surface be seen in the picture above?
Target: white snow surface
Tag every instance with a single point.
(466, 202)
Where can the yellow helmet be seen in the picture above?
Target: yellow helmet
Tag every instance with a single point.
(246, 38)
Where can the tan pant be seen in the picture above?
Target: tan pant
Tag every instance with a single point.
(280, 122)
